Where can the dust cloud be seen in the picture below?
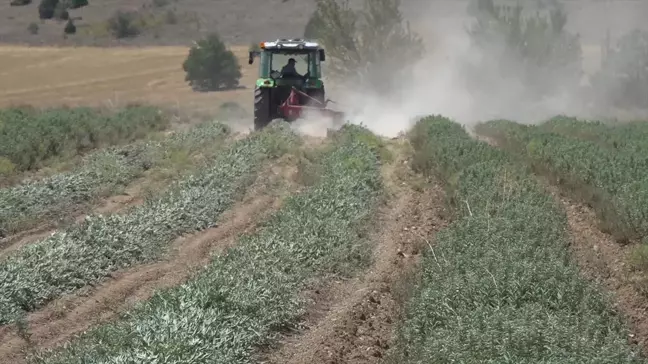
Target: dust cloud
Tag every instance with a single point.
(459, 81)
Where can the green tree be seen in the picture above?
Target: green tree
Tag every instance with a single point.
(20, 2)
(210, 66)
(75, 4)
(46, 9)
(123, 24)
(373, 46)
(61, 12)
(33, 28)
(70, 28)
(535, 48)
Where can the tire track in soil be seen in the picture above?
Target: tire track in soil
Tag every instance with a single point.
(602, 260)
(354, 321)
(62, 319)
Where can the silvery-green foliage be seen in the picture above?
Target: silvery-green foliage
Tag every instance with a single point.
(100, 172)
(244, 298)
(88, 252)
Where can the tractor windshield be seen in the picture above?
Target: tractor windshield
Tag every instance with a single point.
(274, 61)
(279, 60)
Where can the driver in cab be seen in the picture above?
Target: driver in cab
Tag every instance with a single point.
(289, 69)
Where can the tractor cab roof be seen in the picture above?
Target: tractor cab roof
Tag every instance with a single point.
(289, 45)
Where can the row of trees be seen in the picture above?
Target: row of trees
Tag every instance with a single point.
(375, 48)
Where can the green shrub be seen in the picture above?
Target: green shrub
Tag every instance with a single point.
(123, 24)
(19, 2)
(46, 8)
(210, 66)
(33, 28)
(70, 28)
(75, 4)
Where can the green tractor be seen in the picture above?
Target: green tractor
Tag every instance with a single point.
(289, 83)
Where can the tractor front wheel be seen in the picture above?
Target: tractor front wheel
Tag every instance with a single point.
(262, 115)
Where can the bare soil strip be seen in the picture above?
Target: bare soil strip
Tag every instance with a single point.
(603, 260)
(59, 321)
(353, 321)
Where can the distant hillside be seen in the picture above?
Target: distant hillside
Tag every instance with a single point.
(179, 22)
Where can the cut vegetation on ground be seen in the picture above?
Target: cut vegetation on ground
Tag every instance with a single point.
(102, 173)
(91, 250)
(245, 297)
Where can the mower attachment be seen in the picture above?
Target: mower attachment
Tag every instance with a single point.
(292, 109)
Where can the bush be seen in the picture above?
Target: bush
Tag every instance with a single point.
(534, 48)
(61, 12)
(210, 66)
(123, 24)
(19, 2)
(623, 78)
(46, 9)
(364, 46)
(33, 28)
(70, 28)
(75, 4)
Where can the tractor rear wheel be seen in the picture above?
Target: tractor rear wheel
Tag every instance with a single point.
(262, 115)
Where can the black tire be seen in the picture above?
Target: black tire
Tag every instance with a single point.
(262, 115)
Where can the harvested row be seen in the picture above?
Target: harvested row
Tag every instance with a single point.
(499, 285)
(46, 200)
(91, 250)
(613, 181)
(30, 137)
(244, 298)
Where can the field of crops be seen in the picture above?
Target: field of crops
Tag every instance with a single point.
(500, 283)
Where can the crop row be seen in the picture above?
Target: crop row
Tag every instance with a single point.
(29, 136)
(613, 181)
(627, 137)
(102, 172)
(91, 250)
(243, 298)
(499, 285)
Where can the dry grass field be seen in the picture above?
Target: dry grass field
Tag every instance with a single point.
(50, 76)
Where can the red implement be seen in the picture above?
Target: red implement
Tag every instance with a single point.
(293, 109)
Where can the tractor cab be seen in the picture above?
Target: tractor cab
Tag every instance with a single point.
(275, 55)
(280, 95)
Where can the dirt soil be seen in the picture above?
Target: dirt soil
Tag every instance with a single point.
(353, 321)
(60, 320)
